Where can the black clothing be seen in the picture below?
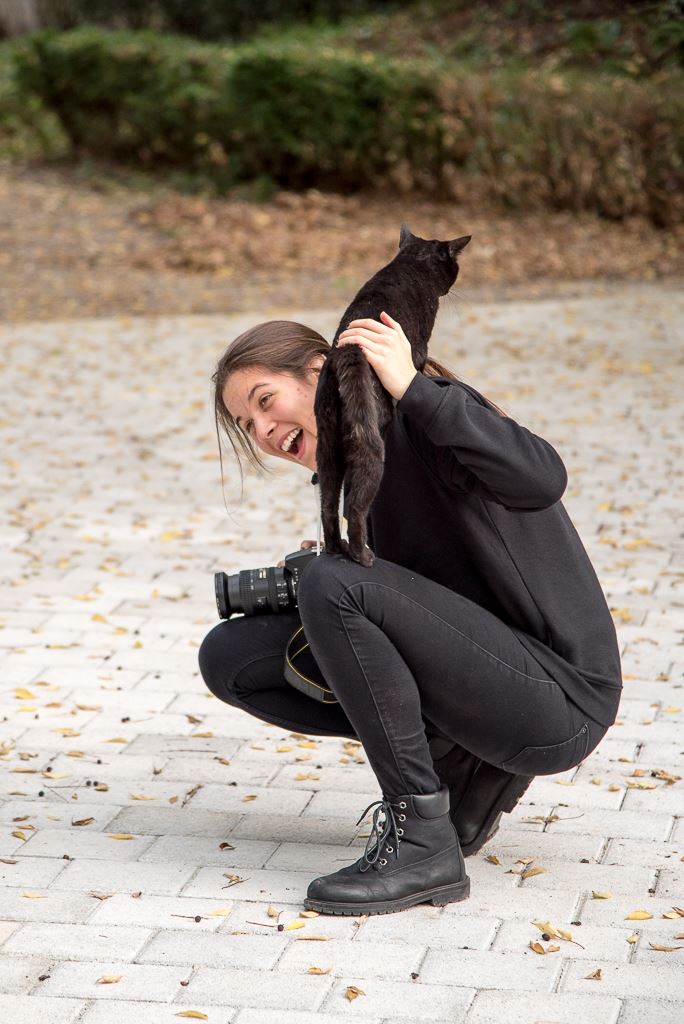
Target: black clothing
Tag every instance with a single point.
(481, 620)
(471, 500)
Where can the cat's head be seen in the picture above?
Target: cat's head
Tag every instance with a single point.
(442, 257)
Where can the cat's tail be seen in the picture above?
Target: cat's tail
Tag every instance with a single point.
(361, 401)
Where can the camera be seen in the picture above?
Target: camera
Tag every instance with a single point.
(260, 591)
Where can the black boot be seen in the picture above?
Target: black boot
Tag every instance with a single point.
(413, 857)
(479, 792)
(491, 793)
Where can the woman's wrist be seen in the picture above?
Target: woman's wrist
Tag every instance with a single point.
(399, 392)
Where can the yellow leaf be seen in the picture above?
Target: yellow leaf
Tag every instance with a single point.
(272, 912)
(352, 992)
(533, 871)
(250, 796)
(664, 949)
(224, 912)
(19, 835)
(141, 796)
(33, 896)
(121, 835)
(537, 947)
(309, 913)
(67, 731)
(283, 749)
(594, 976)
(88, 707)
(291, 925)
(671, 710)
(195, 1014)
(83, 821)
(310, 745)
(201, 735)
(493, 859)
(641, 784)
(22, 694)
(170, 535)
(114, 739)
(109, 979)
(633, 938)
(601, 895)
(319, 970)
(639, 915)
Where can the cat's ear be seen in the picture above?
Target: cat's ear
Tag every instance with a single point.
(458, 245)
(405, 236)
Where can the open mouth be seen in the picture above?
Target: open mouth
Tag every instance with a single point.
(297, 444)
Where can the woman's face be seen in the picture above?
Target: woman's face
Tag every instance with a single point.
(270, 406)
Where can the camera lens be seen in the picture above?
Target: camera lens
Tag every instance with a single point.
(253, 591)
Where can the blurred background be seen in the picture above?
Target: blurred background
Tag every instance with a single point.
(174, 157)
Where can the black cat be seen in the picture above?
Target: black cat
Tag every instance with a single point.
(352, 408)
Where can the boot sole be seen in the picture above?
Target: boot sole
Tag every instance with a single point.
(437, 897)
(490, 826)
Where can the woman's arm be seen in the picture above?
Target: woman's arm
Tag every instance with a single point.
(484, 453)
(481, 452)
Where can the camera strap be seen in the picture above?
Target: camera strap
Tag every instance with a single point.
(306, 675)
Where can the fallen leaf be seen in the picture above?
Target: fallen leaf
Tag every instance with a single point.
(352, 992)
(639, 915)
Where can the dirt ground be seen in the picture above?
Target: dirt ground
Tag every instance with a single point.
(69, 249)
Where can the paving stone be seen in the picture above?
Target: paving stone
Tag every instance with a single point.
(522, 969)
(29, 1009)
(565, 1008)
(18, 975)
(125, 876)
(78, 941)
(120, 1011)
(635, 979)
(248, 987)
(211, 950)
(143, 982)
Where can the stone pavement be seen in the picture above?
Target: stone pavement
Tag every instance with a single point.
(138, 811)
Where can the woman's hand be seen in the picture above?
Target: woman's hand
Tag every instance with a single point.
(387, 349)
(305, 544)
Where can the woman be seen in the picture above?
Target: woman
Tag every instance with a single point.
(477, 652)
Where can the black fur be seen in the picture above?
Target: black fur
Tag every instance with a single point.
(352, 408)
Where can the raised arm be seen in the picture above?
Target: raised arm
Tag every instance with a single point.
(482, 452)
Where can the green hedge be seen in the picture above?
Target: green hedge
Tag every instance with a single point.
(346, 121)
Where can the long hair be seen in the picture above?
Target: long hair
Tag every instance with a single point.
(278, 347)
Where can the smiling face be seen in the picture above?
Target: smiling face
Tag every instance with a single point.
(269, 407)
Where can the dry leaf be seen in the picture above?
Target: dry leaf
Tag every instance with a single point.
(319, 970)
(224, 912)
(195, 1014)
(533, 871)
(639, 915)
(291, 925)
(493, 859)
(664, 949)
(272, 912)
(309, 913)
(313, 938)
(121, 835)
(33, 896)
(595, 975)
(352, 992)
(109, 979)
(601, 895)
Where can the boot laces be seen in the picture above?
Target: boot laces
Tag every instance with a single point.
(379, 833)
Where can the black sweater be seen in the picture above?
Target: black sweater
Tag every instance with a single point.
(471, 500)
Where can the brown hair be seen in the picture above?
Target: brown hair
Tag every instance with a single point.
(278, 346)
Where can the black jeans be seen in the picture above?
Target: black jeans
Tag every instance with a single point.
(403, 655)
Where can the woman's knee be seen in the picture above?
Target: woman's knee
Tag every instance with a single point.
(324, 578)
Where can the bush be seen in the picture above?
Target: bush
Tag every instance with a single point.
(346, 121)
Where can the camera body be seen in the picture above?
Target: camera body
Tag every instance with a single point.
(261, 591)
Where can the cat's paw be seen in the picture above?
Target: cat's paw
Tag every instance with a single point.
(364, 557)
(339, 547)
